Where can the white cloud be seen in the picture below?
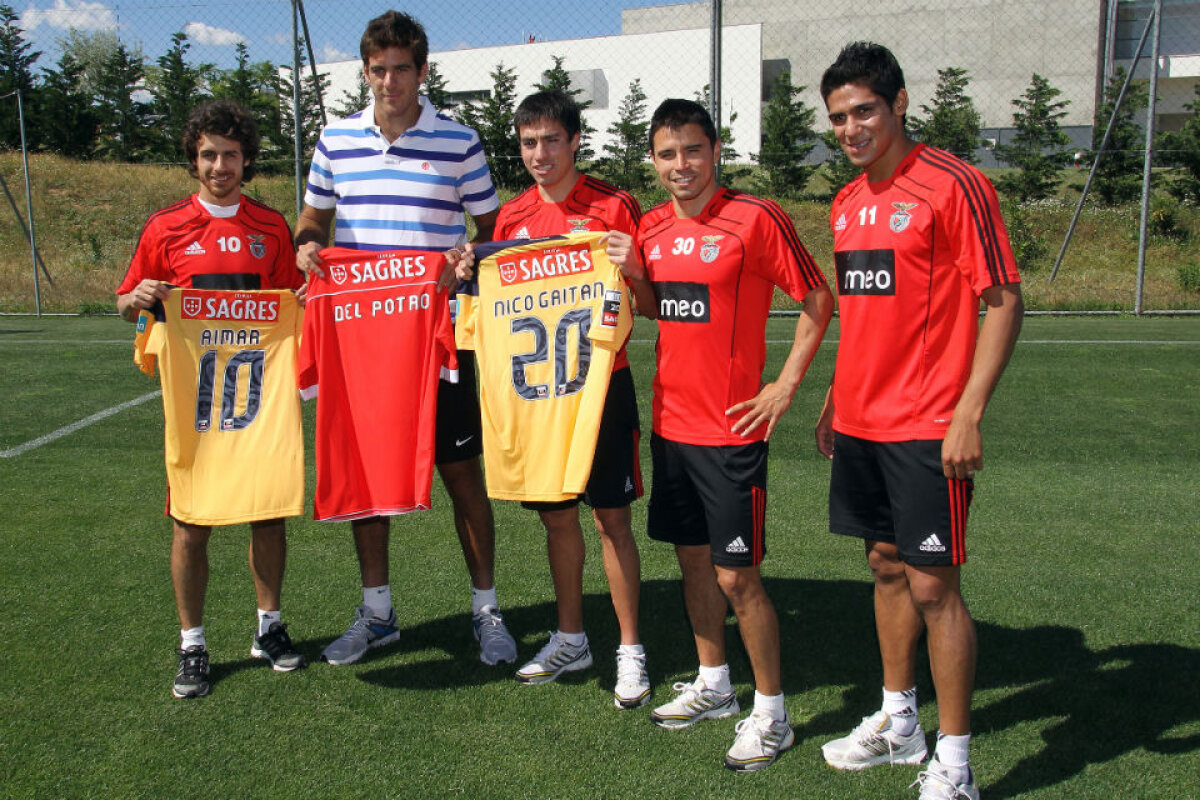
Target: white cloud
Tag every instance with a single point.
(65, 14)
(331, 53)
(200, 33)
(279, 38)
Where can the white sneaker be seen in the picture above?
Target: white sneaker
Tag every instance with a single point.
(633, 686)
(495, 642)
(874, 742)
(365, 632)
(940, 782)
(694, 703)
(760, 740)
(553, 659)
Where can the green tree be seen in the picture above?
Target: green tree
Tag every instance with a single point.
(1181, 149)
(1037, 147)
(435, 88)
(353, 101)
(66, 103)
(177, 87)
(951, 123)
(16, 74)
(557, 78)
(1119, 173)
(257, 86)
(787, 139)
(730, 172)
(312, 89)
(124, 130)
(837, 169)
(624, 161)
(492, 118)
(91, 51)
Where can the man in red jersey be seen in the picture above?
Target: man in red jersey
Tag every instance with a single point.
(217, 239)
(918, 242)
(562, 200)
(714, 257)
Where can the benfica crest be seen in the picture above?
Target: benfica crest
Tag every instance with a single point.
(579, 225)
(337, 274)
(257, 248)
(899, 221)
(191, 305)
(710, 249)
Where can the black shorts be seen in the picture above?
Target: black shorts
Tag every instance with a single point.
(896, 492)
(616, 477)
(710, 495)
(459, 423)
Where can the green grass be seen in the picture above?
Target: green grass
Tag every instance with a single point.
(1082, 581)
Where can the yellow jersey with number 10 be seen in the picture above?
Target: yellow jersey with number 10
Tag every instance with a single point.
(545, 317)
(227, 361)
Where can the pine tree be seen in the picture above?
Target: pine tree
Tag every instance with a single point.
(257, 86)
(177, 87)
(787, 139)
(435, 88)
(1037, 148)
(1119, 174)
(16, 74)
(951, 123)
(624, 161)
(837, 170)
(311, 91)
(91, 51)
(558, 79)
(352, 101)
(729, 156)
(124, 120)
(493, 120)
(64, 101)
(1181, 149)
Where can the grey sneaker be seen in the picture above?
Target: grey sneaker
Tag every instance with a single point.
(873, 742)
(365, 632)
(694, 703)
(553, 659)
(192, 678)
(495, 642)
(940, 782)
(276, 647)
(633, 685)
(760, 740)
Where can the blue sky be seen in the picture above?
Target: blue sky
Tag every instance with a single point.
(215, 26)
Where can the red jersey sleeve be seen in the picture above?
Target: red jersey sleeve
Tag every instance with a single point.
(978, 237)
(780, 257)
(149, 259)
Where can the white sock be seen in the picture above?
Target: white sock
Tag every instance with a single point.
(573, 639)
(481, 598)
(954, 751)
(189, 637)
(378, 599)
(632, 650)
(716, 678)
(266, 619)
(770, 704)
(902, 708)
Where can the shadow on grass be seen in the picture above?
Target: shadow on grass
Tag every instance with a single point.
(1110, 702)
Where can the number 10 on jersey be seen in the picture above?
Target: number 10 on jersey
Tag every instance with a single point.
(248, 362)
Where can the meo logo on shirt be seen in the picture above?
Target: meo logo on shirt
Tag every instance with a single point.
(682, 301)
(866, 271)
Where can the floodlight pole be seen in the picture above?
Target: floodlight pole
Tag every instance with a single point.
(297, 123)
(714, 73)
(1150, 109)
(37, 289)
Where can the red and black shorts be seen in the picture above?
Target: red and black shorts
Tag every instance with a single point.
(713, 495)
(616, 477)
(896, 492)
(459, 422)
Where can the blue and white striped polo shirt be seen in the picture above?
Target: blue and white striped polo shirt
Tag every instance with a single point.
(406, 195)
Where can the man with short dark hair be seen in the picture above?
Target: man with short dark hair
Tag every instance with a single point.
(399, 176)
(219, 239)
(714, 257)
(918, 243)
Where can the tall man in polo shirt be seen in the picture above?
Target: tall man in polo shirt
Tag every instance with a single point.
(714, 257)
(915, 370)
(399, 176)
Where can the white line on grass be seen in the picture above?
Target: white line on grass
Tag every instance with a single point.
(74, 426)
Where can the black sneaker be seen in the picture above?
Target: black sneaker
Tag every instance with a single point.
(192, 678)
(276, 647)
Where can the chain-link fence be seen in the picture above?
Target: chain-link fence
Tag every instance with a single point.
(615, 55)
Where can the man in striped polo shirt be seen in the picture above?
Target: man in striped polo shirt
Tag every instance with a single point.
(397, 175)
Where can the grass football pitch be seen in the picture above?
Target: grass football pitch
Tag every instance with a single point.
(1082, 580)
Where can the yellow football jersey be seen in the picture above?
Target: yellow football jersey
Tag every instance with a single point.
(545, 318)
(227, 362)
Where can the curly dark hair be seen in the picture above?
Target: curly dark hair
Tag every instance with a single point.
(222, 118)
(394, 29)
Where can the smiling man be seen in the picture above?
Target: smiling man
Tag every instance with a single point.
(400, 176)
(714, 257)
(918, 243)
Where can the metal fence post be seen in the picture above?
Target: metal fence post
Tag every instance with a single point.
(1151, 107)
(37, 288)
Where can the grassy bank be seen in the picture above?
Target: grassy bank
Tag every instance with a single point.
(88, 215)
